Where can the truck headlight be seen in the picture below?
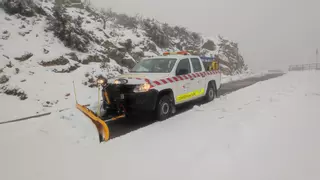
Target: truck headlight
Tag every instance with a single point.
(101, 81)
(117, 82)
(142, 87)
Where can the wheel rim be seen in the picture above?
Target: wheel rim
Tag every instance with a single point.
(165, 108)
(211, 93)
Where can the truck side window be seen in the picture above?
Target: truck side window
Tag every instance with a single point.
(196, 64)
(183, 67)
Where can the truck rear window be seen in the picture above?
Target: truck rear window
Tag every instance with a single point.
(196, 64)
(158, 65)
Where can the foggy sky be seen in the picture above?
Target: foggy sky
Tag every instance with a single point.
(270, 33)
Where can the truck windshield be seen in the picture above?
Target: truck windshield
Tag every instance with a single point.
(159, 65)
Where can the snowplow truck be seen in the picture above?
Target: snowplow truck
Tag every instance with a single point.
(158, 85)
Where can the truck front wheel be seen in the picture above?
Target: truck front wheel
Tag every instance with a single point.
(211, 92)
(164, 108)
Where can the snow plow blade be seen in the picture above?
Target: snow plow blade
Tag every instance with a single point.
(102, 127)
(101, 124)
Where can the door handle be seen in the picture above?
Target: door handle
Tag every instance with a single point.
(187, 85)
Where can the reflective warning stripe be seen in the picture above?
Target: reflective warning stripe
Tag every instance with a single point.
(189, 95)
(183, 77)
(177, 78)
(170, 80)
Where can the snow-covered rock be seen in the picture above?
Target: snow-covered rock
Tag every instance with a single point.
(48, 44)
(120, 37)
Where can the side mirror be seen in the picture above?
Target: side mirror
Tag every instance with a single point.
(182, 72)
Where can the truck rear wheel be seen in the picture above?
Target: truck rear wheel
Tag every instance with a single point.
(164, 108)
(211, 92)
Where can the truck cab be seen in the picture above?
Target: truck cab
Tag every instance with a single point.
(159, 84)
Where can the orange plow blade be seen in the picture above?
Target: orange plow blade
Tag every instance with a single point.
(100, 124)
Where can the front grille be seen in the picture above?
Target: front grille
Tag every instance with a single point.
(114, 90)
(120, 88)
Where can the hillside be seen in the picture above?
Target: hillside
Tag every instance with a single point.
(47, 44)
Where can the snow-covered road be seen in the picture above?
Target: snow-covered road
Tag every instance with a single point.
(122, 127)
(269, 130)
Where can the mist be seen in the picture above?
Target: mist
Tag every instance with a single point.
(272, 34)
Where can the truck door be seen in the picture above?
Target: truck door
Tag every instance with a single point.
(198, 86)
(183, 85)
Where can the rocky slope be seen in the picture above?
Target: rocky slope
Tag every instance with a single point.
(46, 44)
(108, 35)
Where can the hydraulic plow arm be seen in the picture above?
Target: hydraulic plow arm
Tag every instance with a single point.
(115, 118)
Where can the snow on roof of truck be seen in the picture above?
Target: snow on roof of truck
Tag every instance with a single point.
(189, 54)
(174, 56)
(182, 55)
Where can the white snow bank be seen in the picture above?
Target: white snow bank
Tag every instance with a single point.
(266, 131)
(46, 90)
(237, 77)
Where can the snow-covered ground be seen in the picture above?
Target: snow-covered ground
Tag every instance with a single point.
(36, 81)
(237, 77)
(42, 100)
(265, 131)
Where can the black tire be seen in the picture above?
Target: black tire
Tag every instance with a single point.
(164, 108)
(211, 92)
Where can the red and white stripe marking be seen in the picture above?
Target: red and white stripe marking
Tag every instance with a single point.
(178, 78)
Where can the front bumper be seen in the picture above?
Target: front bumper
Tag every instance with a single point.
(123, 96)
